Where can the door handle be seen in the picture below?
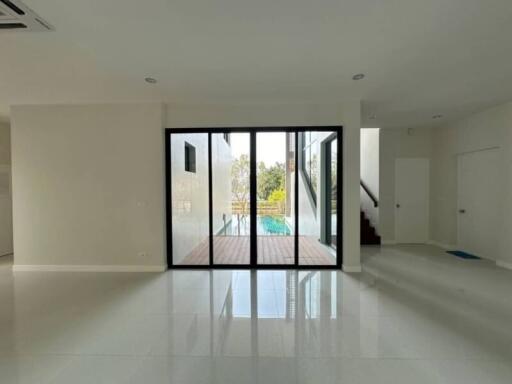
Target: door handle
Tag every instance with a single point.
(462, 211)
(398, 205)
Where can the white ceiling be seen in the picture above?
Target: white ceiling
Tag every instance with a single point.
(421, 58)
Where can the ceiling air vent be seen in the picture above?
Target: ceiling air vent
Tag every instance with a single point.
(14, 15)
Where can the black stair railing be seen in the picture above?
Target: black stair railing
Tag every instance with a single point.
(370, 194)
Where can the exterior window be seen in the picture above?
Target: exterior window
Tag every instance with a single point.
(310, 161)
(190, 158)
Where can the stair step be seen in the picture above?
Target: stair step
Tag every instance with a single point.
(368, 234)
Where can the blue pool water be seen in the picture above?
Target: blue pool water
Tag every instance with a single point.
(273, 225)
(267, 225)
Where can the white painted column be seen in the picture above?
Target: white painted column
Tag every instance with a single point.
(351, 120)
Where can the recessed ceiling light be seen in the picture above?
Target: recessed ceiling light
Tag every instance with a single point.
(437, 117)
(150, 80)
(359, 76)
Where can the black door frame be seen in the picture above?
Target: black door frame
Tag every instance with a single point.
(327, 151)
(335, 129)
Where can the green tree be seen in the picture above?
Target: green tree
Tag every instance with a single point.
(270, 179)
(278, 196)
(240, 171)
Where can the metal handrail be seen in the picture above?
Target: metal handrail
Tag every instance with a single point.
(370, 194)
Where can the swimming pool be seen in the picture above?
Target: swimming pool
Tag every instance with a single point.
(273, 225)
(267, 225)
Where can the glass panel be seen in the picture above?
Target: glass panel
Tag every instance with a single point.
(231, 198)
(307, 162)
(314, 168)
(333, 192)
(310, 160)
(275, 197)
(189, 183)
(315, 196)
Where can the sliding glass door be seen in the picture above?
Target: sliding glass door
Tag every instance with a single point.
(253, 197)
(275, 229)
(315, 198)
(189, 196)
(231, 181)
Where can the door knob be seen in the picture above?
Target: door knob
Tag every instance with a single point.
(398, 205)
(462, 211)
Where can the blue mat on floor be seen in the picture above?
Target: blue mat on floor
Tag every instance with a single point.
(463, 255)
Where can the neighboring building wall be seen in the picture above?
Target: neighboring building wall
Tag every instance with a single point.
(487, 129)
(222, 161)
(88, 185)
(394, 144)
(310, 215)
(5, 190)
(290, 181)
(370, 172)
(308, 223)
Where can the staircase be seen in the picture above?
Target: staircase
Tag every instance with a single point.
(368, 234)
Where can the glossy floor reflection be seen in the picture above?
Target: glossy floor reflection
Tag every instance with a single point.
(415, 315)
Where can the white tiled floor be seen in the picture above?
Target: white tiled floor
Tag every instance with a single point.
(415, 315)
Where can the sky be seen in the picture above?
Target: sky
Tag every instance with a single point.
(270, 146)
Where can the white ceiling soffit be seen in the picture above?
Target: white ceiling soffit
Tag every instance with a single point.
(16, 16)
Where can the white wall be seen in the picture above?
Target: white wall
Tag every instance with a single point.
(370, 169)
(5, 190)
(88, 180)
(88, 185)
(394, 144)
(443, 144)
(347, 114)
(490, 128)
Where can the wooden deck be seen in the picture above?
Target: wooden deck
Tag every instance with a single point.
(271, 250)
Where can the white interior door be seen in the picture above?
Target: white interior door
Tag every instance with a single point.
(412, 200)
(478, 202)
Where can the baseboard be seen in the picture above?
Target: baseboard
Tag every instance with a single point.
(504, 264)
(388, 242)
(441, 245)
(351, 268)
(89, 268)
